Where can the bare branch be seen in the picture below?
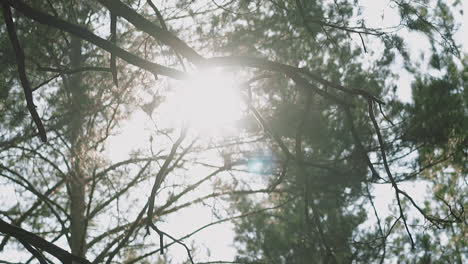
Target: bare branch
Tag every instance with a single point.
(80, 32)
(113, 59)
(19, 54)
(64, 256)
(120, 9)
(387, 169)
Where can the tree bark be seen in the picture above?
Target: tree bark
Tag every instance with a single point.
(77, 173)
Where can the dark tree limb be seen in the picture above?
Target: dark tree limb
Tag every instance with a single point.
(83, 33)
(168, 38)
(122, 10)
(20, 61)
(27, 237)
(29, 212)
(113, 59)
(164, 27)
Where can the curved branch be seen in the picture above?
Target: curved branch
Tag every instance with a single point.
(64, 256)
(80, 32)
(120, 9)
(19, 54)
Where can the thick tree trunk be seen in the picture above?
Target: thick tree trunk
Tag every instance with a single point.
(77, 175)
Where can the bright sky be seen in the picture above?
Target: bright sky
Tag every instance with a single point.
(210, 105)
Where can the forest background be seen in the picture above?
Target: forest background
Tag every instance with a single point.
(233, 131)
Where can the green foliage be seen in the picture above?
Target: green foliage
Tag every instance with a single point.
(438, 118)
(316, 191)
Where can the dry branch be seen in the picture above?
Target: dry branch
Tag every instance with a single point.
(19, 54)
(27, 237)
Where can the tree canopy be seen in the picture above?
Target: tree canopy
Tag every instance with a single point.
(283, 118)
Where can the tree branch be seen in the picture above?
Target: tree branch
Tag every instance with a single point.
(64, 256)
(20, 61)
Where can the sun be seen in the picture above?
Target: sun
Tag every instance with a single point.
(209, 103)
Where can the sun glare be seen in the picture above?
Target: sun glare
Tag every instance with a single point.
(209, 103)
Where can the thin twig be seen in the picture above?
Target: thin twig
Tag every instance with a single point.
(383, 114)
(363, 44)
(384, 238)
(46, 82)
(75, 70)
(34, 252)
(387, 168)
(159, 180)
(161, 233)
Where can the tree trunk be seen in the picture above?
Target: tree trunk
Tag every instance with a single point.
(77, 174)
